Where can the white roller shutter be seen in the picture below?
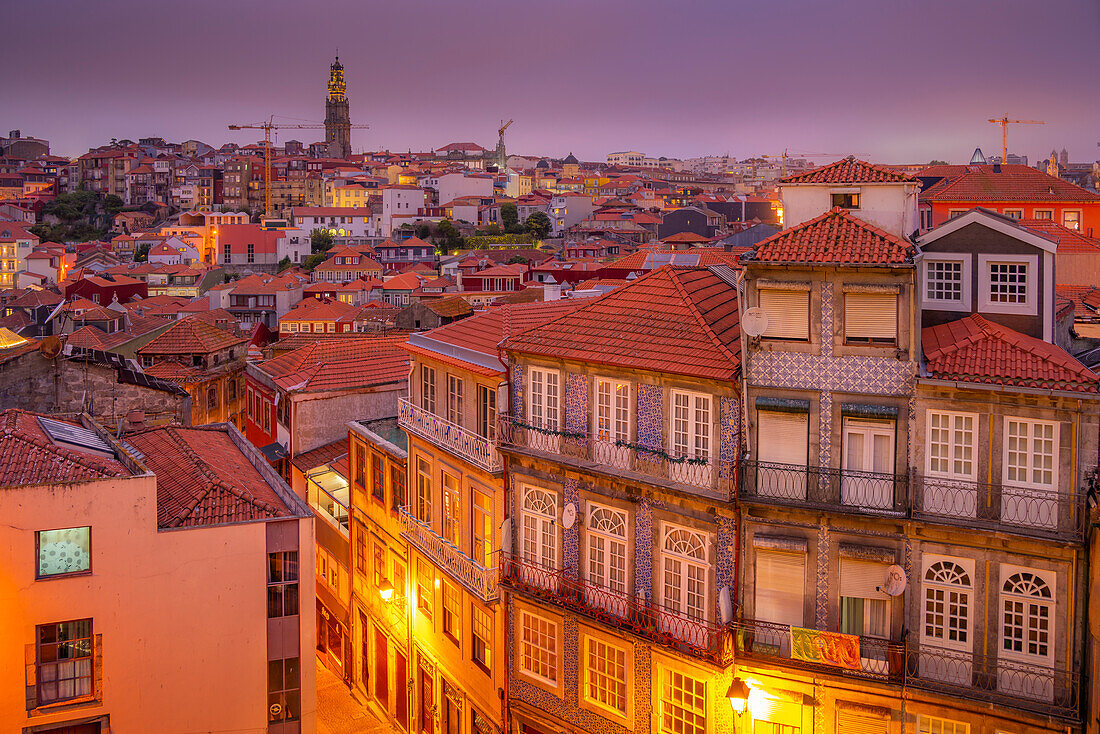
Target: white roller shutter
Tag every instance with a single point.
(859, 579)
(788, 313)
(871, 316)
(782, 438)
(778, 711)
(851, 722)
(780, 586)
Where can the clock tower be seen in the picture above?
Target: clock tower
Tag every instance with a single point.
(337, 116)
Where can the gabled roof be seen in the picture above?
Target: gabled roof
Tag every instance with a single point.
(849, 171)
(1069, 241)
(1009, 183)
(321, 309)
(203, 478)
(190, 336)
(974, 349)
(340, 364)
(326, 454)
(674, 320)
(834, 238)
(29, 456)
(34, 299)
(450, 307)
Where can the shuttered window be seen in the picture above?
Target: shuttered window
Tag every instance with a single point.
(788, 313)
(782, 438)
(780, 585)
(871, 317)
(851, 722)
(861, 579)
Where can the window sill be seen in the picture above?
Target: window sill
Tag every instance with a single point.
(71, 704)
(481, 666)
(58, 576)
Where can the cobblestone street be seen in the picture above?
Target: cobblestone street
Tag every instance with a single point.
(339, 713)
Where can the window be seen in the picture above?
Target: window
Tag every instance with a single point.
(846, 201)
(954, 213)
(212, 398)
(454, 399)
(482, 636)
(427, 389)
(251, 253)
(1044, 214)
(1071, 219)
(780, 586)
(936, 725)
(452, 511)
(482, 529)
(423, 491)
(361, 549)
(1014, 213)
(691, 419)
(684, 573)
(540, 538)
(864, 609)
(925, 219)
(282, 584)
(612, 410)
(486, 412)
(605, 675)
(788, 313)
(543, 407)
(452, 612)
(868, 447)
(227, 255)
(284, 695)
(1008, 282)
(871, 318)
(944, 281)
(65, 552)
(1027, 624)
(538, 654)
(951, 444)
(606, 552)
(379, 564)
(947, 589)
(1029, 453)
(63, 661)
(378, 483)
(683, 704)
(425, 583)
(397, 486)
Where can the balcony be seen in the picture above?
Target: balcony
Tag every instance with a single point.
(1035, 688)
(711, 477)
(658, 624)
(822, 487)
(476, 578)
(461, 442)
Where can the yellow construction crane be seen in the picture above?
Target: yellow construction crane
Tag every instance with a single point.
(504, 126)
(267, 127)
(1004, 122)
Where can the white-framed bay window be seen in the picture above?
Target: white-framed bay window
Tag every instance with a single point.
(1028, 632)
(605, 561)
(684, 582)
(951, 466)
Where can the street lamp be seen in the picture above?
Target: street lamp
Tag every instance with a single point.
(738, 694)
(386, 591)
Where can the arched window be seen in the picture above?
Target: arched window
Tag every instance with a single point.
(684, 572)
(540, 537)
(212, 398)
(605, 557)
(947, 589)
(1027, 622)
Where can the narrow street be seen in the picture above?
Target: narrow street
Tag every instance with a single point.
(339, 713)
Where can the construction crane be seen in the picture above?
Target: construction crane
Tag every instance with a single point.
(1004, 122)
(267, 127)
(504, 126)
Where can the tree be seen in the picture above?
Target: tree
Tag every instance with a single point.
(509, 217)
(141, 254)
(320, 240)
(936, 162)
(538, 224)
(518, 260)
(283, 265)
(451, 239)
(489, 229)
(423, 231)
(112, 204)
(314, 260)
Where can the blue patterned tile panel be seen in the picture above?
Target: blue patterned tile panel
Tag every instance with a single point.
(650, 416)
(728, 448)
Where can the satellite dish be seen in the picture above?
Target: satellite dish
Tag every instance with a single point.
(754, 321)
(506, 535)
(895, 581)
(50, 347)
(569, 515)
(725, 605)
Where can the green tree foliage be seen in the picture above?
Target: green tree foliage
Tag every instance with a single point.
(448, 237)
(538, 224)
(509, 217)
(423, 231)
(112, 204)
(141, 254)
(283, 265)
(936, 162)
(320, 240)
(314, 260)
(518, 260)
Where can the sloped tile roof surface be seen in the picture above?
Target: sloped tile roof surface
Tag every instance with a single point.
(340, 364)
(318, 309)
(203, 478)
(974, 349)
(322, 455)
(191, 336)
(33, 299)
(981, 183)
(834, 238)
(450, 307)
(1085, 298)
(675, 320)
(29, 456)
(1069, 241)
(849, 171)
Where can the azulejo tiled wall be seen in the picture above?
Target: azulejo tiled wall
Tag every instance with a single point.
(576, 403)
(874, 375)
(822, 601)
(728, 448)
(570, 536)
(650, 415)
(643, 550)
(517, 391)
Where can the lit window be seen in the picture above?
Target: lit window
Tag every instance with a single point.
(452, 612)
(605, 675)
(483, 529)
(423, 491)
(482, 637)
(1008, 283)
(452, 511)
(64, 552)
(683, 704)
(1071, 219)
(538, 655)
(424, 588)
(282, 584)
(936, 725)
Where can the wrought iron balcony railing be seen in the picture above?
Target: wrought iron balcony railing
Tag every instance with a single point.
(1008, 682)
(478, 579)
(460, 441)
(813, 486)
(659, 624)
(709, 476)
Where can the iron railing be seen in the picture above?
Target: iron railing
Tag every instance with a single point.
(460, 441)
(997, 680)
(712, 477)
(659, 624)
(478, 579)
(855, 491)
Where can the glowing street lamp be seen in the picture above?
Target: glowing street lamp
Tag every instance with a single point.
(386, 591)
(738, 695)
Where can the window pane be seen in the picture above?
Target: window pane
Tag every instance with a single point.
(64, 551)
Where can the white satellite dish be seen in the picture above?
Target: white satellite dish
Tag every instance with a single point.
(569, 515)
(754, 321)
(895, 581)
(506, 535)
(725, 605)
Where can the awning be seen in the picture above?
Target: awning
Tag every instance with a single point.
(274, 452)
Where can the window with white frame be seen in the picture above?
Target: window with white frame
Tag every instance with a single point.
(1027, 631)
(684, 572)
(938, 725)
(944, 281)
(683, 703)
(612, 410)
(951, 442)
(544, 398)
(788, 312)
(423, 491)
(427, 388)
(606, 548)
(540, 538)
(948, 587)
(605, 674)
(455, 389)
(1008, 282)
(1071, 218)
(452, 512)
(691, 424)
(1029, 452)
(538, 653)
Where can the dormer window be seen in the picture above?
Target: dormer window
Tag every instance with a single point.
(1008, 282)
(847, 200)
(1005, 285)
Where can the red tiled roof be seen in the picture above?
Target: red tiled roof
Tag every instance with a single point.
(340, 364)
(974, 349)
(29, 456)
(688, 237)
(1012, 183)
(203, 478)
(190, 336)
(1085, 298)
(318, 309)
(323, 455)
(1069, 241)
(34, 299)
(674, 320)
(834, 238)
(848, 171)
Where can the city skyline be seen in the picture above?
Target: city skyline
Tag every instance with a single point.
(585, 78)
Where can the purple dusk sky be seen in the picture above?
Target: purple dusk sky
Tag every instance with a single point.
(889, 80)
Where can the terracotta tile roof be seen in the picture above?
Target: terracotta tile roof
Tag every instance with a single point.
(1069, 241)
(321, 309)
(190, 336)
(15, 321)
(674, 320)
(974, 349)
(1012, 183)
(34, 299)
(326, 454)
(203, 478)
(834, 238)
(849, 171)
(29, 456)
(175, 372)
(500, 271)
(1085, 298)
(688, 237)
(450, 307)
(340, 364)
(405, 281)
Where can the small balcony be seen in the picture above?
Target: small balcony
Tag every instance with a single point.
(849, 655)
(476, 578)
(844, 490)
(460, 441)
(667, 627)
(710, 477)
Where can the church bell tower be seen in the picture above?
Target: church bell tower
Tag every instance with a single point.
(337, 116)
